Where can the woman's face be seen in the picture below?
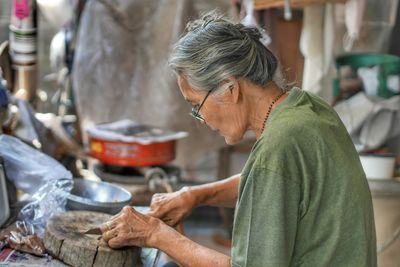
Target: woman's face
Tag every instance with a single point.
(221, 112)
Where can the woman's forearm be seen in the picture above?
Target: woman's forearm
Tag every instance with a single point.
(185, 252)
(221, 193)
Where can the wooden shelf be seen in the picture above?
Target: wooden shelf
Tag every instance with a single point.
(264, 4)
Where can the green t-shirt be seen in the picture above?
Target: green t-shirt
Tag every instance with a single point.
(303, 196)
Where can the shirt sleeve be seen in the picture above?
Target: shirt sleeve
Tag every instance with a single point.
(265, 220)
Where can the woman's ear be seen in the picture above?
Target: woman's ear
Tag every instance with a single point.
(234, 89)
(231, 89)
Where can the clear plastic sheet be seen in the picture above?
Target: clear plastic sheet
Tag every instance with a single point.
(27, 167)
(25, 239)
(50, 199)
(46, 181)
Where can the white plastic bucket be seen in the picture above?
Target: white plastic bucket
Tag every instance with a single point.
(378, 166)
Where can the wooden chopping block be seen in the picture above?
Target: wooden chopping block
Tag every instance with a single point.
(64, 240)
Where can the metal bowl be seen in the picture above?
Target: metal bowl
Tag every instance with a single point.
(97, 196)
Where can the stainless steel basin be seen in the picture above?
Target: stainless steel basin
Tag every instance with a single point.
(97, 196)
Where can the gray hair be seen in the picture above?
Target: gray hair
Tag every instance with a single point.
(214, 49)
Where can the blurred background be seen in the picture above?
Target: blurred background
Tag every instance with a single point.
(74, 73)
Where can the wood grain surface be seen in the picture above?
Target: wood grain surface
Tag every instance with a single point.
(64, 240)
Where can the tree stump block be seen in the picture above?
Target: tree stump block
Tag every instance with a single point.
(64, 240)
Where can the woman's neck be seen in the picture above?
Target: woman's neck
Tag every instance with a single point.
(259, 101)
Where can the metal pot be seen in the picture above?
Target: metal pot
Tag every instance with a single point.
(122, 153)
(97, 196)
(127, 143)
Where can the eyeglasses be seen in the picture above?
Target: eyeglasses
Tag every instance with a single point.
(196, 109)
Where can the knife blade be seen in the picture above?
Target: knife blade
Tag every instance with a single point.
(93, 231)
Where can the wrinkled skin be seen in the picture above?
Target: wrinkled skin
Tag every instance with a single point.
(130, 228)
(172, 208)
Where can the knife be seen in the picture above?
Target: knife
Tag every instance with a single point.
(92, 231)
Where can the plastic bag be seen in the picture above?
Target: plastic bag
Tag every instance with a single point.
(39, 175)
(27, 167)
(24, 239)
(370, 121)
(49, 200)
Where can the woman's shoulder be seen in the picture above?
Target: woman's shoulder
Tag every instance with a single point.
(303, 115)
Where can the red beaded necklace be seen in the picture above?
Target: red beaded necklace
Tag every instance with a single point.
(270, 109)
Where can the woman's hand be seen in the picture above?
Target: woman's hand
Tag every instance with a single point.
(130, 228)
(172, 208)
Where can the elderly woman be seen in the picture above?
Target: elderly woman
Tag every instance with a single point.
(302, 198)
